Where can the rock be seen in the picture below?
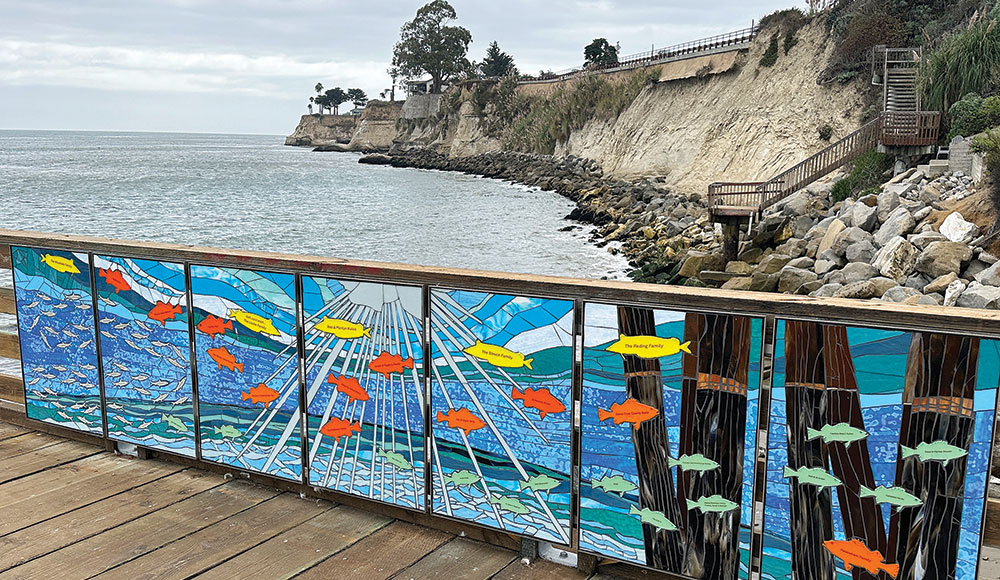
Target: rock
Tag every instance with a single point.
(832, 231)
(897, 259)
(978, 296)
(955, 228)
(923, 300)
(899, 294)
(696, 262)
(922, 213)
(847, 238)
(853, 272)
(924, 239)
(988, 258)
(803, 262)
(864, 289)
(810, 287)
(883, 285)
(742, 283)
(751, 255)
(741, 268)
(939, 258)
(953, 292)
(761, 282)
(990, 276)
(830, 256)
(826, 290)
(801, 226)
(864, 217)
(899, 223)
(824, 266)
(791, 279)
(376, 159)
(793, 248)
(888, 201)
(941, 283)
(916, 281)
(773, 263)
(863, 251)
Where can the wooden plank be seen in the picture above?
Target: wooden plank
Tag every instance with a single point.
(4, 256)
(143, 535)
(878, 314)
(24, 443)
(9, 346)
(460, 559)
(7, 305)
(991, 528)
(11, 389)
(7, 431)
(75, 526)
(314, 541)
(380, 555)
(45, 504)
(205, 548)
(75, 474)
(544, 570)
(15, 466)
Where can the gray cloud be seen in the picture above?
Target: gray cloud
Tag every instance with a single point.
(110, 60)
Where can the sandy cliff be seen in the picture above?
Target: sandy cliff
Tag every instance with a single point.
(316, 130)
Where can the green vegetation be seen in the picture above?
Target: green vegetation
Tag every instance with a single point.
(989, 144)
(497, 63)
(866, 172)
(973, 114)
(770, 55)
(790, 40)
(429, 45)
(825, 132)
(967, 62)
(601, 53)
(357, 97)
(790, 21)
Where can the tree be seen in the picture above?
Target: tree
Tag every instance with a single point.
(429, 45)
(600, 52)
(319, 88)
(332, 99)
(497, 63)
(358, 97)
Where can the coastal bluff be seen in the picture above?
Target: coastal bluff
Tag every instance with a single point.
(317, 130)
(373, 130)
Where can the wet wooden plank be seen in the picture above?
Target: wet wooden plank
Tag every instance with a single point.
(7, 431)
(460, 559)
(9, 346)
(543, 570)
(11, 389)
(238, 533)
(314, 540)
(7, 301)
(75, 526)
(54, 454)
(380, 555)
(75, 474)
(24, 443)
(45, 504)
(143, 535)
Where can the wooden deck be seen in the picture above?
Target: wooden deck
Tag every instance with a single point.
(69, 509)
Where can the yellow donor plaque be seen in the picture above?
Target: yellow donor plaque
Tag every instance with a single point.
(343, 328)
(648, 346)
(498, 356)
(60, 264)
(255, 322)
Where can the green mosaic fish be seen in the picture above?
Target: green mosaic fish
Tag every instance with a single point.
(395, 459)
(893, 496)
(462, 478)
(715, 504)
(839, 433)
(540, 482)
(228, 431)
(696, 462)
(653, 518)
(174, 423)
(510, 504)
(936, 451)
(614, 484)
(812, 476)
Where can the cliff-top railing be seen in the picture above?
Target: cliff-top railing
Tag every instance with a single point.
(731, 40)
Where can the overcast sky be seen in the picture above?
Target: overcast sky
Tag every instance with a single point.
(248, 66)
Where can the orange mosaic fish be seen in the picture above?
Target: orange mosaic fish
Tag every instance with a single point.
(338, 428)
(163, 312)
(387, 364)
(224, 358)
(114, 279)
(213, 325)
(540, 399)
(461, 419)
(631, 411)
(855, 553)
(261, 394)
(350, 387)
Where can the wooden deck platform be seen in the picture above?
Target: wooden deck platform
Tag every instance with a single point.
(69, 509)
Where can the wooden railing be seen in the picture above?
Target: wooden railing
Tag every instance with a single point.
(905, 128)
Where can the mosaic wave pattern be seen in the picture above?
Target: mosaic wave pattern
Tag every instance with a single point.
(146, 352)
(659, 380)
(501, 389)
(365, 396)
(247, 362)
(879, 453)
(55, 316)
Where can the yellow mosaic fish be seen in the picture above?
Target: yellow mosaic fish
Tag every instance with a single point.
(498, 356)
(343, 328)
(60, 264)
(648, 346)
(254, 322)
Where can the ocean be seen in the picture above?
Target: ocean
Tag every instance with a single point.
(252, 192)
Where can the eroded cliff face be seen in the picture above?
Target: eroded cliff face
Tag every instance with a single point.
(745, 124)
(377, 126)
(316, 130)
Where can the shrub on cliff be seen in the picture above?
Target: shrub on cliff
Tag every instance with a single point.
(866, 172)
(967, 62)
(973, 114)
(770, 55)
